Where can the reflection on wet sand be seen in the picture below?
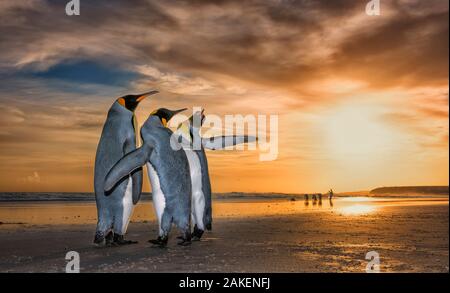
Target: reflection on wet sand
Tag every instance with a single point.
(346, 209)
(358, 209)
(49, 213)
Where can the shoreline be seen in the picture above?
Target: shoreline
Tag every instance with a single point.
(8, 197)
(84, 212)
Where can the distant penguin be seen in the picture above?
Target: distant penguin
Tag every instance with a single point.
(168, 170)
(330, 194)
(118, 138)
(189, 132)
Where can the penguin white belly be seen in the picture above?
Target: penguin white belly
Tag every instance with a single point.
(127, 204)
(159, 201)
(198, 198)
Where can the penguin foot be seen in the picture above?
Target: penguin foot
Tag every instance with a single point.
(197, 234)
(99, 237)
(185, 242)
(186, 239)
(208, 226)
(119, 240)
(160, 241)
(103, 241)
(109, 239)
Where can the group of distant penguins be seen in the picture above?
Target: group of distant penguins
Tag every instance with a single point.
(318, 198)
(178, 173)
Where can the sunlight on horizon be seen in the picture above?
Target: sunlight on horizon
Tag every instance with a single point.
(354, 130)
(358, 209)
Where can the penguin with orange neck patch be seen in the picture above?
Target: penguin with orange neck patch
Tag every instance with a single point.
(168, 171)
(118, 138)
(188, 134)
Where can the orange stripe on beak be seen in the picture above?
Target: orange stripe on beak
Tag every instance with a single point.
(143, 96)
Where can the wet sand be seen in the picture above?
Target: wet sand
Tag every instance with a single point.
(410, 235)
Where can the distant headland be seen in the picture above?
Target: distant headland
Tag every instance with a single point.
(411, 189)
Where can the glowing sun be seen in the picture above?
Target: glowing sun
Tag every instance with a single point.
(356, 133)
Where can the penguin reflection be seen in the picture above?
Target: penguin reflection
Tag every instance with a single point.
(306, 200)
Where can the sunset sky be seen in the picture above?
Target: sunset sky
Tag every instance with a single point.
(362, 100)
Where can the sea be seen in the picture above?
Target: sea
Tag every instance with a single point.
(88, 197)
(147, 196)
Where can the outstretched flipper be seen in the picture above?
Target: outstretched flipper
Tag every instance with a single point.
(221, 142)
(126, 165)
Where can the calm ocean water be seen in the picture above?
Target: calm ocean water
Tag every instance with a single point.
(81, 197)
(89, 197)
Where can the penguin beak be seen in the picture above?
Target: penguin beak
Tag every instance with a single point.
(168, 115)
(144, 95)
(178, 111)
(171, 114)
(203, 115)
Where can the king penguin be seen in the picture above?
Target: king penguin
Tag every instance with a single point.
(118, 138)
(188, 134)
(168, 170)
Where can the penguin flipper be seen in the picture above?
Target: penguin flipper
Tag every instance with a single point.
(136, 175)
(137, 184)
(221, 142)
(126, 165)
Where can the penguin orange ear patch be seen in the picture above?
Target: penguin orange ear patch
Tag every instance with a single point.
(164, 122)
(121, 101)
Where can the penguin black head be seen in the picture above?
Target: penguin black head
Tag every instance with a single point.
(165, 114)
(130, 102)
